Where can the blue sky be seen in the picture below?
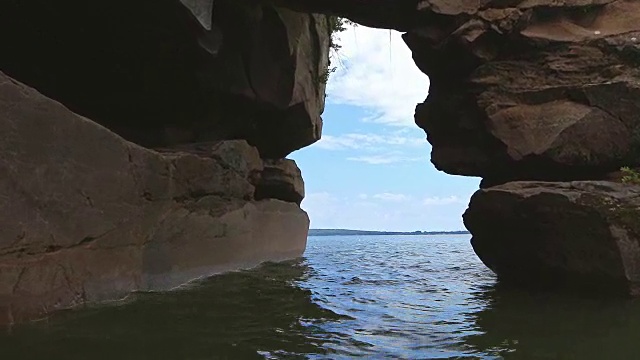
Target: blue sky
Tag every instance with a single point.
(371, 169)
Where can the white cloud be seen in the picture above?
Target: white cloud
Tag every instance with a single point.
(391, 197)
(329, 142)
(386, 159)
(378, 149)
(436, 200)
(375, 71)
(356, 141)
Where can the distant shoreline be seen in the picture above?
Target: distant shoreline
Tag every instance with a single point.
(345, 232)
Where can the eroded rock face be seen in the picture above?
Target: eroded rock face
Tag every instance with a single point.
(541, 90)
(582, 234)
(149, 71)
(88, 216)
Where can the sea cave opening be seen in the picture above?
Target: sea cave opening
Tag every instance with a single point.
(545, 92)
(386, 181)
(150, 73)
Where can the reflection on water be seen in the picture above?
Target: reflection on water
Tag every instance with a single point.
(238, 315)
(415, 297)
(521, 325)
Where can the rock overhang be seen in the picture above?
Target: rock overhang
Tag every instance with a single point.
(202, 10)
(161, 73)
(488, 61)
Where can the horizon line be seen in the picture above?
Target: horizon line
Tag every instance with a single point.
(389, 230)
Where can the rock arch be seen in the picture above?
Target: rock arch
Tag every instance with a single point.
(534, 90)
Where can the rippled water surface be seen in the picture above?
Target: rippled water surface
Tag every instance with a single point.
(396, 297)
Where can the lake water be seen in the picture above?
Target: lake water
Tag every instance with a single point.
(396, 297)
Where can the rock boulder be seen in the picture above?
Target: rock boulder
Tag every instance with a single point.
(583, 234)
(281, 179)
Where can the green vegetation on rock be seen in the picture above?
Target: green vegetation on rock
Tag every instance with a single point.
(630, 176)
(336, 25)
